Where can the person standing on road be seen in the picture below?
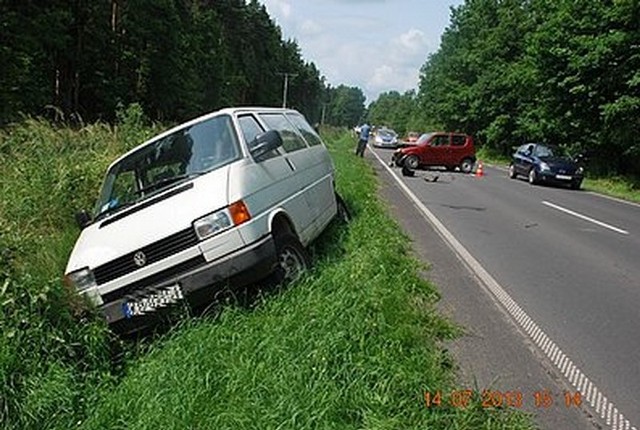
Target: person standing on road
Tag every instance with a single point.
(363, 138)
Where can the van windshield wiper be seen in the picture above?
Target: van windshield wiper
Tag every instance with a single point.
(168, 181)
(163, 183)
(113, 209)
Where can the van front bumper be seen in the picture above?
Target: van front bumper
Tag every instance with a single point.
(198, 286)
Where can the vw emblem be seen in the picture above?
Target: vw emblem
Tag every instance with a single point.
(139, 259)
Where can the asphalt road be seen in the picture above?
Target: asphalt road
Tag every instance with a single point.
(569, 260)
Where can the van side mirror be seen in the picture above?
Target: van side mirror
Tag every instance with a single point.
(264, 143)
(83, 219)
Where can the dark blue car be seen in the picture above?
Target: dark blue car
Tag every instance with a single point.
(540, 165)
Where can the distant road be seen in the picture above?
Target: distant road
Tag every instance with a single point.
(570, 262)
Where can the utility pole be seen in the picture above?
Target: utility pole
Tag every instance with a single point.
(286, 86)
(324, 109)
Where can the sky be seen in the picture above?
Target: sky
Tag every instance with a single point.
(376, 45)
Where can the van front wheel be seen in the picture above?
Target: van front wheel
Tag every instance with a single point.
(293, 259)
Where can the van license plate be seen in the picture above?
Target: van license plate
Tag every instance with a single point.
(159, 298)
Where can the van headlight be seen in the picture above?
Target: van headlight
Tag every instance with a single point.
(81, 280)
(219, 221)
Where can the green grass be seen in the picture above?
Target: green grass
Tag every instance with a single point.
(354, 344)
(626, 188)
(50, 362)
(622, 187)
(490, 156)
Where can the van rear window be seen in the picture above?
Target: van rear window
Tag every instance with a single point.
(305, 129)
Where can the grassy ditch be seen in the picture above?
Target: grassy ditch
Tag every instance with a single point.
(354, 344)
(51, 363)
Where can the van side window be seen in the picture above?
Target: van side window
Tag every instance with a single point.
(305, 129)
(250, 129)
(291, 140)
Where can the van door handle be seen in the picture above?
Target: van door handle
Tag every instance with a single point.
(293, 167)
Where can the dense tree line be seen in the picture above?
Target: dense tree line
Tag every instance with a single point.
(344, 106)
(396, 110)
(563, 72)
(177, 58)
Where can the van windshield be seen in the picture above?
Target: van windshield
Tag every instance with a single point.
(179, 156)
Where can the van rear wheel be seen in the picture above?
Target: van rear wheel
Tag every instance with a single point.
(293, 259)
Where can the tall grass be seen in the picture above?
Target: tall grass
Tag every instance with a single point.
(354, 344)
(50, 361)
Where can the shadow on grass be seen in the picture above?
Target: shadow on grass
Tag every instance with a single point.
(327, 248)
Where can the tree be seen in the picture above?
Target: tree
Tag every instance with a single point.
(177, 58)
(345, 106)
(557, 71)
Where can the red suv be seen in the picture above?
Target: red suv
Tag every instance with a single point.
(450, 150)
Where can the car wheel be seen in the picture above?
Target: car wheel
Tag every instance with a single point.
(293, 259)
(575, 185)
(342, 215)
(533, 176)
(466, 166)
(512, 171)
(412, 162)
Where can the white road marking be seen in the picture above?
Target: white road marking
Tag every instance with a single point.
(584, 217)
(516, 312)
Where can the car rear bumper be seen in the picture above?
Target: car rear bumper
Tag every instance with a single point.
(198, 286)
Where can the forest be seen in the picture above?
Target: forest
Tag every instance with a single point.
(563, 72)
(81, 61)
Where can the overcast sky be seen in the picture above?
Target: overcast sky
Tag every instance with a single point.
(377, 45)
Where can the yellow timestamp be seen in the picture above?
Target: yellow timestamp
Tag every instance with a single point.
(502, 399)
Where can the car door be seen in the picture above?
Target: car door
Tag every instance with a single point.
(439, 147)
(523, 158)
(458, 149)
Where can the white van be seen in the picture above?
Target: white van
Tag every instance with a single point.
(223, 200)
